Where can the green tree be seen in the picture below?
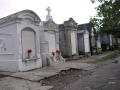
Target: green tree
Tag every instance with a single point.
(93, 1)
(108, 16)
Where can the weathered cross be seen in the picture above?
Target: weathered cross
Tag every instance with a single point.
(49, 10)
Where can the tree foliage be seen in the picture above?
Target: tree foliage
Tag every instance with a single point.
(93, 1)
(108, 16)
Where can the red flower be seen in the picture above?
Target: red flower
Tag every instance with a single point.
(57, 51)
(29, 50)
(53, 53)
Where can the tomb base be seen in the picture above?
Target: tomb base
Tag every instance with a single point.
(87, 54)
(53, 60)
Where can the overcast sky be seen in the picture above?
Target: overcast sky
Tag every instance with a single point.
(79, 10)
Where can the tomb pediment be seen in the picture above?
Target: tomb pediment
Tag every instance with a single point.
(29, 15)
(50, 25)
(22, 15)
(86, 26)
(83, 31)
(70, 23)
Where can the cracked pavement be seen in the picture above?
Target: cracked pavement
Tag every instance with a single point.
(105, 77)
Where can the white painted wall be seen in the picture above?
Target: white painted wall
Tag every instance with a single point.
(73, 42)
(111, 42)
(8, 47)
(57, 40)
(52, 43)
(98, 42)
(86, 43)
(43, 42)
(44, 48)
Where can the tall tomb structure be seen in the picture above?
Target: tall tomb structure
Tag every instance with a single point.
(50, 35)
(68, 38)
(19, 42)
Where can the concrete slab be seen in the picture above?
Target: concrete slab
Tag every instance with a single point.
(46, 88)
(30, 77)
(10, 83)
(33, 76)
(69, 65)
(39, 74)
(45, 74)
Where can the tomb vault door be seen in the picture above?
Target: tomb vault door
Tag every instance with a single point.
(52, 47)
(73, 42)
(81, 43)
(28, 43)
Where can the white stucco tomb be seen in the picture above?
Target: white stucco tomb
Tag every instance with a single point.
(49, 38)
(19, 42)
(50, 43)
(99, 50)
(83, 42)
(68, 38)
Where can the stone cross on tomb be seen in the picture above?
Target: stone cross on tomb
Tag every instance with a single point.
(48, 10)
(48, 17)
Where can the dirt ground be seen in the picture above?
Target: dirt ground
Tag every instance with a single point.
(106, 76)
(65, 78)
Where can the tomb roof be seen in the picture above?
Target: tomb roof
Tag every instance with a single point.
(50, 25)
(83, 31)
(70, 23)
(86, 26)
(25, 14)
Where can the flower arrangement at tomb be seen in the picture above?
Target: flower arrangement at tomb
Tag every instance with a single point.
(29, 51)
(58, 51)
(56, 56)
(53, 53)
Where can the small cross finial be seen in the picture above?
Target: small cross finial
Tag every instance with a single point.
(48, 17)
(48, 10)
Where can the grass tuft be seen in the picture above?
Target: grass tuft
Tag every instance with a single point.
(111, 55)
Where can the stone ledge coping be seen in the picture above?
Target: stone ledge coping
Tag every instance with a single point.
(33, 59)
(6, 53)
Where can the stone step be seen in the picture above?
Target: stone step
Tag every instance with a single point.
(74, 58)
(46, 88)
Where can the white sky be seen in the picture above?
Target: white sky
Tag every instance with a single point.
(79, 10)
